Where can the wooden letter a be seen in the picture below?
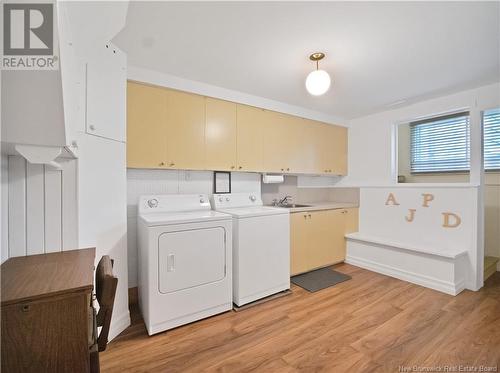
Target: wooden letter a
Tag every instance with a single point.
(391, 200)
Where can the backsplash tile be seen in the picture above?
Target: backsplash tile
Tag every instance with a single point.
(142, 181)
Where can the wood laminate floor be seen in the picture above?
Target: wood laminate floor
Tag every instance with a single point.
(372, 323)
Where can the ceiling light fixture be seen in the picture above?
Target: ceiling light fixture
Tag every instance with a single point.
(318, 81)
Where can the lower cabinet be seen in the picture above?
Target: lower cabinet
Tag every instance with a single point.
(317, 237)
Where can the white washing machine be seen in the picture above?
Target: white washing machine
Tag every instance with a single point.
(185, 260)
(261, 246)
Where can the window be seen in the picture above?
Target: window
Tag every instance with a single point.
(491, 123)
(440, 144)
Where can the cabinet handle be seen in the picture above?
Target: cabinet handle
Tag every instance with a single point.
(288, 169)
(239, 168)
(309, 216)
(344, 211)
(305, 216)
(161, 164)
(282, 169)
(232, 167)
(172, 164)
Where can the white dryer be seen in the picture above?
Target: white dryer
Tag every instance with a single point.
(261, 246)
(185, 260)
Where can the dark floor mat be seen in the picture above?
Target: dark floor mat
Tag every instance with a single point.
(319, 279)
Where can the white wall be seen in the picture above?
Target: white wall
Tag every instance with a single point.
(491, 190)
(372, 155)
(303, 195)
(102, 198)
(35, 193)
(372, 140)
(4, 200)
(141, 182)
(425, 232)
(102, 212)
(42, 207)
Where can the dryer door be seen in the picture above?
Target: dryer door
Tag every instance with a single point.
(191, 258)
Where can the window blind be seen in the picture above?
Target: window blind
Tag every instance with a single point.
(440, 144)
(491, 128)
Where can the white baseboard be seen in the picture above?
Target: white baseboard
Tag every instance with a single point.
(415, 278)
(118, 325)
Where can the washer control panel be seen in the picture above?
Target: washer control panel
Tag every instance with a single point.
(221, 201)
(173, 203)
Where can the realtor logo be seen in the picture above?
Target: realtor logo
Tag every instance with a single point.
(28, 36)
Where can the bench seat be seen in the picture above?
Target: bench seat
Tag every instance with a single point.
(442, 269)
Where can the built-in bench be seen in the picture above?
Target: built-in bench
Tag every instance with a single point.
(439, 268)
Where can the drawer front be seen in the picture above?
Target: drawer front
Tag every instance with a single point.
(46, 336)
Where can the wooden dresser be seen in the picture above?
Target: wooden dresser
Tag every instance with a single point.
(46, 312)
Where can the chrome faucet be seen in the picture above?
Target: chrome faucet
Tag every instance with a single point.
(284, 200)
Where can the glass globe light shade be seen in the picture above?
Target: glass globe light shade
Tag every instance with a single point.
(318, 82)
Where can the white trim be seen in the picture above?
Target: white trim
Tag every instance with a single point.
(118, 325)
(170, 81)
(444, 252)
(429, 282)
(477, 177)
(411, 185)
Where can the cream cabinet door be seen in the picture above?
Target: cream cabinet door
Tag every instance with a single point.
(284, 137)
(220, 135)
(325, 133)
(326, 238)
(275, 144)
(299, 232)
(185, 123)
(333, 144)
(146, 126)
(351, 220)
(338, 161)
(302, 147)
(310, 147)
(317, 238)
(338, 221)
(250, 123)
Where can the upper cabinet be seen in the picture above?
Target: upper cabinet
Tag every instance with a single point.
(335, 149)
(185, 126)
(278, 142)
(251, 122)
(146, 131)
(220, 135)
(178, 130)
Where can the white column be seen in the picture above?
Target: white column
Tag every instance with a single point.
(477, 178)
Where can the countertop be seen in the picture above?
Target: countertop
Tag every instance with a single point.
(26, 278)
(326, 205)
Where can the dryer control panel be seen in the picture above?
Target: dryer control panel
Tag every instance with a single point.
(173, 203)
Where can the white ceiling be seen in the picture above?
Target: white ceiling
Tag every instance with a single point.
(377, 53)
